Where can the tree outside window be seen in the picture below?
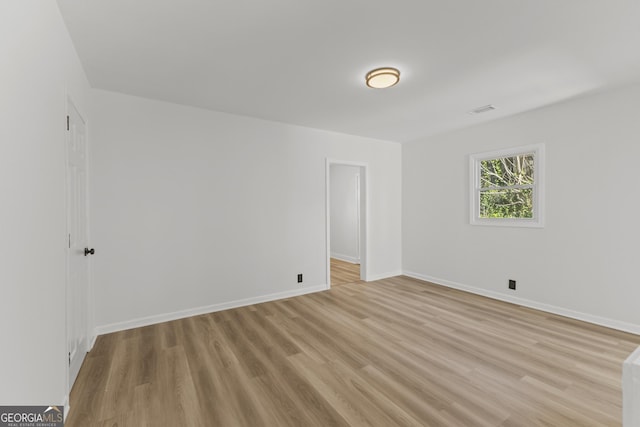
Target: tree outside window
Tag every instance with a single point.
(506, 187)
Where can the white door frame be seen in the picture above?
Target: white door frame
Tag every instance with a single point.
(358, 213)
(90, 337)
(364, 216)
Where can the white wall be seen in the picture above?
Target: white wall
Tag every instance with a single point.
(37, 62)
(585, 259)
(193, 208)
(344, 212)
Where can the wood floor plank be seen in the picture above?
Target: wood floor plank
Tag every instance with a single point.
(343, 272)
(397, 351)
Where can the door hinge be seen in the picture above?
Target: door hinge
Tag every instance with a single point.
(69, 241)
(67, 122)
(69, 358)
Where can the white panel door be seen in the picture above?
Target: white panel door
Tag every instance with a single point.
(78, 261)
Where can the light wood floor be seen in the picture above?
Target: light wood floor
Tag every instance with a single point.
(343, 272)
(393, 352)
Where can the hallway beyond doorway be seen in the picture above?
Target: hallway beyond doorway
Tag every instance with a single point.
(343, 272)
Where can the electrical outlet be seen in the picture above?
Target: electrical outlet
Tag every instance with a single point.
(300, 278)
(512, 284)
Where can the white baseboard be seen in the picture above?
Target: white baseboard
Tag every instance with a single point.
(380, 276)
(631, 390)
(92, 341)
(597, 320)
(67, 408)
(345, 258)
(159, 318)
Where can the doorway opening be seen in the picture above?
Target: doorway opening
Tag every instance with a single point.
(346, 222)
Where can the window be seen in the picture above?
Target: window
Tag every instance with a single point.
(506, 187)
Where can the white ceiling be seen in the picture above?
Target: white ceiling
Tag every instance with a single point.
(303, 62)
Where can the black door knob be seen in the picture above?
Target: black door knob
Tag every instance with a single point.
(88, 251)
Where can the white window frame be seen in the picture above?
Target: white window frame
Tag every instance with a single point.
(538, 187)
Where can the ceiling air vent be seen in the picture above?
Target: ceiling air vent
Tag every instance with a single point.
(483, 109)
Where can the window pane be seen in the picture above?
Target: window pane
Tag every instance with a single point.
(506, 203)
(507, 171)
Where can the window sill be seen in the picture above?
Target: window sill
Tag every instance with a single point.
(518, 223)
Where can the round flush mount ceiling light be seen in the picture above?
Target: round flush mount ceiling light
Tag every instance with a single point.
(381, 78)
